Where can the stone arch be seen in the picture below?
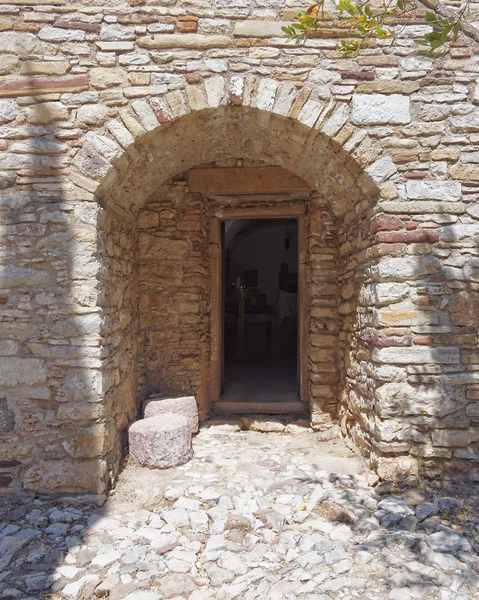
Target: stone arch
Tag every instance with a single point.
(322, 147)
(334, 131)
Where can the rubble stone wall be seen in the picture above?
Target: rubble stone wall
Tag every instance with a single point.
(174, 291)
(101, 105)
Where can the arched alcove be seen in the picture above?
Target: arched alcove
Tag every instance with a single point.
(160, 248)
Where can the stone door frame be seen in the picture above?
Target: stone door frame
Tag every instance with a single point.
(293, 210)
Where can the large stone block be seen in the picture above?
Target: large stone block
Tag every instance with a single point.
(465, 172)
(370, 109)
(448, 191)
(41, 67)
(161, 442)
(64, 476)
(21, 371)
(454, 437)
(47, 112)
(464, 309)
(87, 443)
(407, 267)
(399, 398)
(8, 63)
(20, 43)
(57, 34)
(417, 355)
(259, 29)
(103, 78)
(382, 169)
(178, 404)
(8, 111)
(468, 122)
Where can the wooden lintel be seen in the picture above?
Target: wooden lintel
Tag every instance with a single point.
(287, 211)
(245, 180)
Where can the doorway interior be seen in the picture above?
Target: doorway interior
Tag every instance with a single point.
(260, 316)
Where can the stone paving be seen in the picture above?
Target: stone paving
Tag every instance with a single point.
(277, 516)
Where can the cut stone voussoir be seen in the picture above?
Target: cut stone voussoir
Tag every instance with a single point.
(176, 403)
(161, 442)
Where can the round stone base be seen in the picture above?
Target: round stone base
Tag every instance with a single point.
(161, 442)
(177, 404)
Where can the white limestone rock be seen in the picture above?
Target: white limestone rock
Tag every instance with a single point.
(376, 109)
(407, 267)
(92, 114)
(215, 91)
(417, 355)
(259, 29)
(475, 97)
(399, 398)
(8, 111)
(382, 169)
(162, 404)
(161, 442)
(57, 34)
(16, 371)
(448, 191)
(266, 94)
(468, 122)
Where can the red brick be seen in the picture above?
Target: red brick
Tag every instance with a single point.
(187, 26)
(435, 81)
(358, 75)
(422, 340)
(385, 223)
(90, 27)
(461, 52)
(161, 111)
(378, 340)
(419, 236)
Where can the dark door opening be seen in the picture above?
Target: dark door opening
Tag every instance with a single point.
(260, 316)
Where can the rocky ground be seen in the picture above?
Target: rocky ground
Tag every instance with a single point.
(276, 515)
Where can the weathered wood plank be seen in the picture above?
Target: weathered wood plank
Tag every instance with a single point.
(245, 180)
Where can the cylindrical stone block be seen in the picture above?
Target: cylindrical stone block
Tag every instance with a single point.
(176, 404)
(161, 442)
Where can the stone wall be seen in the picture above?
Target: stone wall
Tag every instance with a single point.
(101, 105)
(174, 291)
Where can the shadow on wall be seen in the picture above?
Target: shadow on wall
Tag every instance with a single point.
(51, 385)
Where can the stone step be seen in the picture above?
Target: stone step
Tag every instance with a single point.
(267, 408)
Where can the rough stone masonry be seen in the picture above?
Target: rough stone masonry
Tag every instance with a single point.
(107, 256)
